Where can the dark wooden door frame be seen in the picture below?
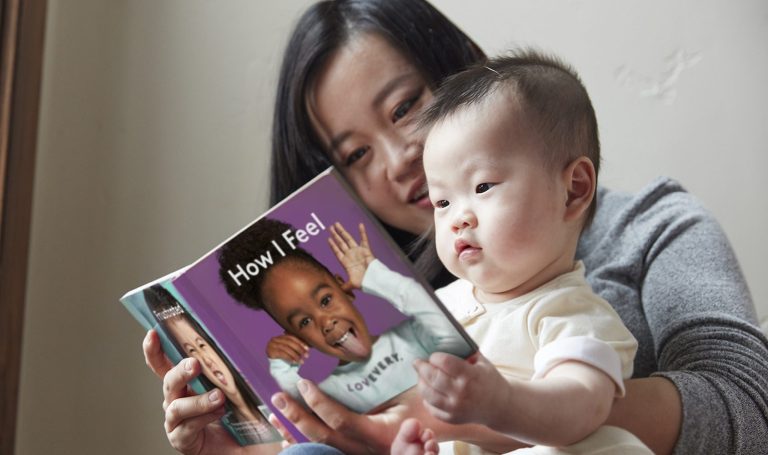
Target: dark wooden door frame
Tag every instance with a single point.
(21, 53)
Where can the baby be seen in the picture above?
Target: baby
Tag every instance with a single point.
(511, 160)
(316, 309)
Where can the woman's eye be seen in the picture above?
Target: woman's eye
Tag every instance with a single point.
(441, 204)
(483, 187)
(403, 109)
(356, 155)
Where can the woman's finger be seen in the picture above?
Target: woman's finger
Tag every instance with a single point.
(186, 409)
(154, 355)
(348, 431)
(287, 436)
(176, 379)
(185, 433)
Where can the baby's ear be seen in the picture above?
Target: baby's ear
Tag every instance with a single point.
(580, 184)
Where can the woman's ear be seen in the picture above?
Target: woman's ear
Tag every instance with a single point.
(580, 184)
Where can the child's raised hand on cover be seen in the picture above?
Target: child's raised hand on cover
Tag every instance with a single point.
(288, 348)
(456, 390)
(353, 256)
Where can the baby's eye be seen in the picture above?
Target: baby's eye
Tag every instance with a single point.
(304, 322)
(356, 155)
(325, 301)
(483, 187)
(403, 109)
(441, 204)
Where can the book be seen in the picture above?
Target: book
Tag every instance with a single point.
(314, 288)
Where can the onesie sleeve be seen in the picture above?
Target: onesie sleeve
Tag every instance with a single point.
(430, 324)
(573, 323)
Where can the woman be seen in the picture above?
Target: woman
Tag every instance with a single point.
(355, 76)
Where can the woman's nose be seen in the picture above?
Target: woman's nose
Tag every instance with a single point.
(403, 157)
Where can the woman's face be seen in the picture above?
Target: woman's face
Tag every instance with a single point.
(363, 106)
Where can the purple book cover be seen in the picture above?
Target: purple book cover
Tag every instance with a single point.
(316, 289)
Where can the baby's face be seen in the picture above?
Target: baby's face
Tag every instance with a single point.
(499, 211)
(310, 304)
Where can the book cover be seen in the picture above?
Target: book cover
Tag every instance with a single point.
(157, 306)
(316, 289)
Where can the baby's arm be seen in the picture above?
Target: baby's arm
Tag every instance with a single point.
(353, 256)
(571, 401)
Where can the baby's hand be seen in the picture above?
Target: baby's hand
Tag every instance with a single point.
(288, 348)
(461, 391)
(355, 258)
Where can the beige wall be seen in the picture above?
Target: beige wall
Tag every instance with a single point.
(154, 136)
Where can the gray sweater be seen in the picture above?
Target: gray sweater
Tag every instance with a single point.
(666, 266)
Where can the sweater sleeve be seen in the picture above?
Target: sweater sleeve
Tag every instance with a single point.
(430, 324)
(702, 322)
(286, 375)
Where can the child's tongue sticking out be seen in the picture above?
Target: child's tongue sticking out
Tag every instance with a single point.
(352, 344)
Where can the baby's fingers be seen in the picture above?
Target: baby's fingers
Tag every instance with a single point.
(432, 376)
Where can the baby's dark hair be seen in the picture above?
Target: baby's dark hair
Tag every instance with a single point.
(549, 92)
(250, 245)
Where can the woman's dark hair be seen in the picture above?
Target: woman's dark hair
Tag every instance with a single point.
(435, 46)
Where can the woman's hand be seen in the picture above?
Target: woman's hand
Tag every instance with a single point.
(288, 348)
(192, 421)
(355, 258)
(334, 424)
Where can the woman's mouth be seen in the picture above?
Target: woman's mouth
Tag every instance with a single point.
(419, 194)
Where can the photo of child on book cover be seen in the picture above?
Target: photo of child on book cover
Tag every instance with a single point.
(315, 308)
(244, 416)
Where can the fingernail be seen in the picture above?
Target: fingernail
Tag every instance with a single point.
(188, 365)
(278, 401)
(214, 396)
(303, 388)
